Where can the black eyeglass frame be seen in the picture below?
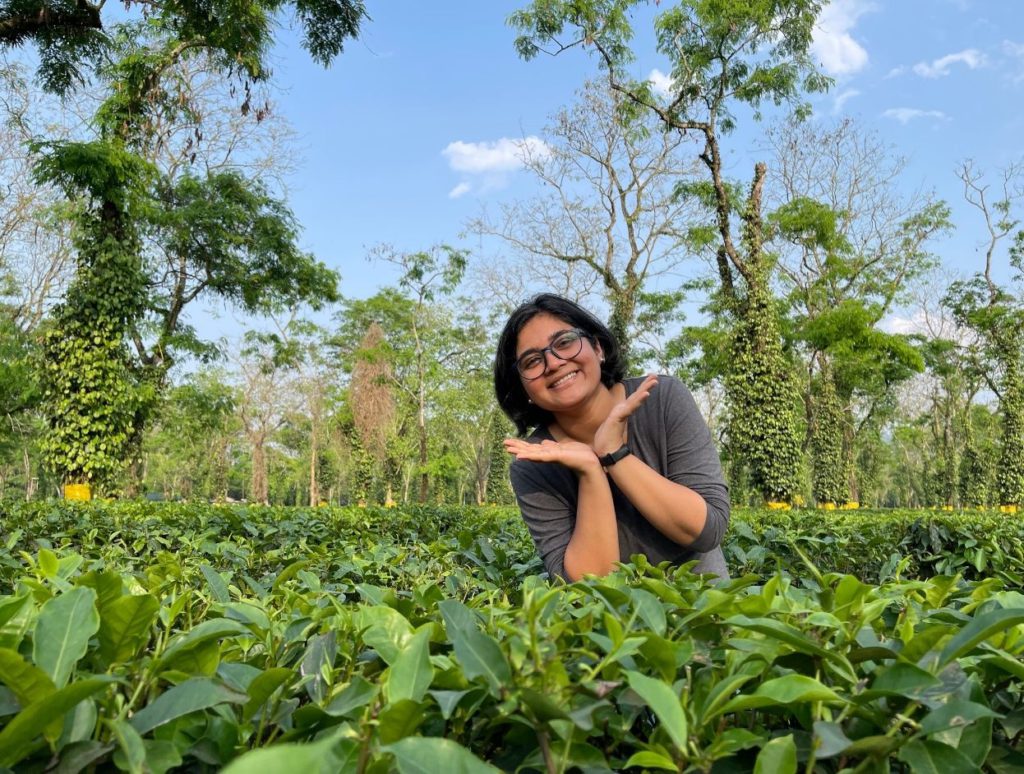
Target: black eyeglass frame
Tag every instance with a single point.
(582, 334)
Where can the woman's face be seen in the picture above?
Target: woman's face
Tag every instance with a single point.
(564, 383)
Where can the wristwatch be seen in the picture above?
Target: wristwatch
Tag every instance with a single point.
(607, 460)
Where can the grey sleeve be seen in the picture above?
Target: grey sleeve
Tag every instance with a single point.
(547, 498)
(693, 460)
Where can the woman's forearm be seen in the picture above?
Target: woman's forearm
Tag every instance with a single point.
(676, 511)
(594, 545)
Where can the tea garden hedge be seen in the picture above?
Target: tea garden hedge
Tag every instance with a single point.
(159, 637)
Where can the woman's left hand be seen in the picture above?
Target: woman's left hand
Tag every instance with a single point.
(573, 454)
(611, 435)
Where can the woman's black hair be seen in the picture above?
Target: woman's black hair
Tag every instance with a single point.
(508, 385)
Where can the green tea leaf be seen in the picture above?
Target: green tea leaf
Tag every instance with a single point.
(323, 756)
(192, 695)
(262, 688)
(651, 760)
(978, 630)
(447, 701)
(777, 757)
(481, 656)
(66, 623)
(664, 703)
(901, 679)
(133, 751)
(830, 739)
(384, 629)
(125, 626)
(411, 674)
(17, 738)
(207, 631)
(29, 683)
(399, 720)
(782, 691)
(431, 754)
(218, 587)
(955, 714)
(926, 756)
(354, 696)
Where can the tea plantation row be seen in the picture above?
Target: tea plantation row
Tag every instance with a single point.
(153, 637)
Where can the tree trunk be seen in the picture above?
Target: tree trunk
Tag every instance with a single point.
(314, 490)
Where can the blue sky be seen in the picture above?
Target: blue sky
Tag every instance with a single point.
(414, 127)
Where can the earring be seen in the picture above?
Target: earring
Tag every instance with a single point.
(602, 358)
(530, 401)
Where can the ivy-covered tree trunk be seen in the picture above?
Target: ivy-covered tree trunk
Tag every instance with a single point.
(760, 390)
(90, 395)
(828, 455)
(1010, 471)
(762, 401)
(975, 473)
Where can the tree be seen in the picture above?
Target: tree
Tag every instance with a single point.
(996, 313)
(609, 208)
(96, 423)
(422, 345)
(374, 411)
(850, 246)
(724, 55)
(187, 453)
(268, 394)
(72, 38)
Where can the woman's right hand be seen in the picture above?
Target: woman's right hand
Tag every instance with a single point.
(612, 432)
(572, 454)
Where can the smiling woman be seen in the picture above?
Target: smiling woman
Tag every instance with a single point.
(614, 466)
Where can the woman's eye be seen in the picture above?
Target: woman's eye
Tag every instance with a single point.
(530, 362)
(566, 341)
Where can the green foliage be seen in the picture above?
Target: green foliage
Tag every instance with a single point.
(864, 358)
(420, 640)
(1010, 470)
(755, 52)
(72, 38)
(829, 481)
(243, 241)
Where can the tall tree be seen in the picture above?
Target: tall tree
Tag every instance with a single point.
(96, 423)
(724, 55)
(421, 342)
(986, 305)
(608, 208)
(850, 247)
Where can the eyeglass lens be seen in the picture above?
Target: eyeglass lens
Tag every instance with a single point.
(565, 346)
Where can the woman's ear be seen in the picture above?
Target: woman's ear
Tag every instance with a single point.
(598, 351)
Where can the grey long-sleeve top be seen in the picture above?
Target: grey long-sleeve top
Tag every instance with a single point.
(669, 434)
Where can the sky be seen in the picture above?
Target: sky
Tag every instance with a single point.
(416, 126)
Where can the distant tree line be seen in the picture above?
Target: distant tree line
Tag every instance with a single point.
(113, 230)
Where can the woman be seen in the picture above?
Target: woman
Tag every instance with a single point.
(614, 466)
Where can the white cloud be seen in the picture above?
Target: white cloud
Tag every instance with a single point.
(906, 115)
(896, 71)
(486, 166)
(833, 45)
(894, 323)
(939, 68)
(661, 83)
(1015, 51)
(504, 155)
(842, 99)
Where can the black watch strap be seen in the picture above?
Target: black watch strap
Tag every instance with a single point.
(607, 460)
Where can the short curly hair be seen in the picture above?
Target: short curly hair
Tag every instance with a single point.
(508, 385)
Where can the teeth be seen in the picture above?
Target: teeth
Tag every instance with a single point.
(565, 378)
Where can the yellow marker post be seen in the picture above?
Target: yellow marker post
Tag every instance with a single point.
(78, 492)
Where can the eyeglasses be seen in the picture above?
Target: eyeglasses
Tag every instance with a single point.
(565, 346)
